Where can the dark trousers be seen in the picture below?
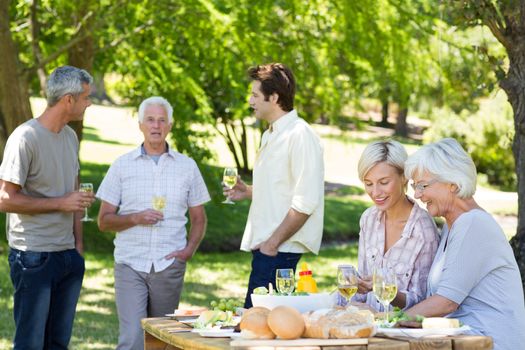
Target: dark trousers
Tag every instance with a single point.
(47, 286)
(263, 270)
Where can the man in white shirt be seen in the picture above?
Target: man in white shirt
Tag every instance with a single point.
(151, 248)
(286, 213)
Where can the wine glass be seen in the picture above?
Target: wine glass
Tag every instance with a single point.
(159, 202)
(229, 179)
(347, 281)
(284, 279)
(384, 286)
(86, 187)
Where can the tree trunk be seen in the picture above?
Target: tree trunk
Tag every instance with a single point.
(82, 54)
(401, 124)
(384, 113)
(98, 91)
(14, 97)
(513, 86)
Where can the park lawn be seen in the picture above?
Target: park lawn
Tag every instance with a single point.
(209, 276)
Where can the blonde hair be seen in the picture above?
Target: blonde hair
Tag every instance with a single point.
(391, 152)
(448, 162)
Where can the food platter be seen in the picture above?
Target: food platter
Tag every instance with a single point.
(215, 332)
(421, 332)
(186, 314)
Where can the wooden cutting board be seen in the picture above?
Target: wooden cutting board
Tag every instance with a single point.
(298, 342)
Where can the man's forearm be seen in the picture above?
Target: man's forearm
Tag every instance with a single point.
(196, 234)
(115, 222)
(292, 223)
(20, 203)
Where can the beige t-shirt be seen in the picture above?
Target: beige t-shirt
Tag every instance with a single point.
(44, 164)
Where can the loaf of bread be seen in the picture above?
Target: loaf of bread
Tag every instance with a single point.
(339, 323)
(440, 322)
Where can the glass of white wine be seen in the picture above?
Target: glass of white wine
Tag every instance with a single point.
(384, 285)
(159, 202)
(285, 281)
(86, 187)
(229, 179)
(347, 281)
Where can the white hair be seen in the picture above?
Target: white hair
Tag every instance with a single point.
(448, 162)
(156, 101)
(391, 152)
(66, 80)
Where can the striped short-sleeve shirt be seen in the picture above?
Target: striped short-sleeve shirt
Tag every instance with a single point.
(131, 183)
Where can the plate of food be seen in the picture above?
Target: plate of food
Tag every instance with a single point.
(430, 327)
(186, 314)
(215, 332)
(422, 332)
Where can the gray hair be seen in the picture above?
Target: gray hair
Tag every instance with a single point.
(66, 80)
(156, 101)
(448, 162)
(390, 151)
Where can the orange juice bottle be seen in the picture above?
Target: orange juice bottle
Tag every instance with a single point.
(306, 282)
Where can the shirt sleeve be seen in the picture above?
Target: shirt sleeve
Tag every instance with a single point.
(110, 189)
(417, 287)
(16, 161)
(198, 193)
(307, 169)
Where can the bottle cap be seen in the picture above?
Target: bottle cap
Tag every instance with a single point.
(305, 273)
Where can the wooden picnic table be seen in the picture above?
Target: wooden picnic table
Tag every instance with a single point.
(163, 333)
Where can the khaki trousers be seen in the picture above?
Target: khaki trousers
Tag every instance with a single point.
(139, 295)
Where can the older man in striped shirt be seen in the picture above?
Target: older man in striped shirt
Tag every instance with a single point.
(145, 197)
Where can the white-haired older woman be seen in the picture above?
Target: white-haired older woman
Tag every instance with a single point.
(474, 276)
(395, 233)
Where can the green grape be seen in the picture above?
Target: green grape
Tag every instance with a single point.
(213, 303)
(229, 305)
(222, 306)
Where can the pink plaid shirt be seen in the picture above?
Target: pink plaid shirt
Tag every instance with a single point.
(411, 256)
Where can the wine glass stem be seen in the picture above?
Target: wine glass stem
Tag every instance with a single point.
(386, 311)
(85, 213)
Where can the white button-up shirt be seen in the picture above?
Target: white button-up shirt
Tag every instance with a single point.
(288, 173)
(131, 183)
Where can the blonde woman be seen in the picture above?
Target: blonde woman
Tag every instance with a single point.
(395, 233)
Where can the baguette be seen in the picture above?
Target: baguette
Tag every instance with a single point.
(339, 324)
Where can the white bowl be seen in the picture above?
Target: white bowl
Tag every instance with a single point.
(303, 303)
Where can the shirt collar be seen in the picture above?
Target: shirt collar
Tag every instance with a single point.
(281, 123)
(412, 217)
(140, 151)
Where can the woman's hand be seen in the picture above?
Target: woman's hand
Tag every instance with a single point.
(364, 284)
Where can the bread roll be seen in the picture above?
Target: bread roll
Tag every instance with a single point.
(286, 322)
(440, 322)
(339, 324)
(254, 324)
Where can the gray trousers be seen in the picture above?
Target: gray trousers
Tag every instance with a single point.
(139, 295)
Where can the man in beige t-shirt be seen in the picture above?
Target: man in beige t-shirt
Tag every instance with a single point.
(286, 213)
(38, 182)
